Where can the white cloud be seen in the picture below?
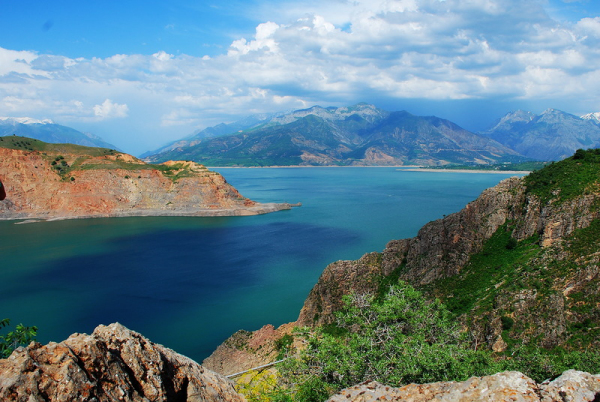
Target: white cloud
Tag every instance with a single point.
(340, 52)
(110, 110)
(263, 40)
(163, 56)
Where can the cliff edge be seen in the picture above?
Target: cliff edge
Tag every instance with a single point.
(520, 265)
(112, 364)
(54, 181)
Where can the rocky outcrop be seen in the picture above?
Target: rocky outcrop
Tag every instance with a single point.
(245, 350)
(508, 386)
(444, 247)
(440, 249)
(43, 185)
(112, 364)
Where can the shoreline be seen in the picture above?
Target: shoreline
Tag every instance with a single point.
(258, 209)
(309, 166)
(405, 168)
(523, 172)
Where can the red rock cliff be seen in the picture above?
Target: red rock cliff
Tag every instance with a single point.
(113, 185)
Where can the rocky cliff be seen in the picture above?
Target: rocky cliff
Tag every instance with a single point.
(245, 350)
(507, 386)
(112, 364)
(117, 364)
(519, 264)
(51, 181)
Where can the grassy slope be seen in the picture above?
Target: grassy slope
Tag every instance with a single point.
(82, 157)
(504, 266)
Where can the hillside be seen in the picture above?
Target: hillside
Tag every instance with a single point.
(361, 135)
(519, 265)
(49, 181)
(550, 136)
(517, 269)
(48, 131)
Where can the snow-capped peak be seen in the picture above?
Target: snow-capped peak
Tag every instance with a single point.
(25, 120)
(595, 117)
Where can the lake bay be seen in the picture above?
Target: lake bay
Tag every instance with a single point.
(189, 283)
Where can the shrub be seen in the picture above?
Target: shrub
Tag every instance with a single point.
(22, 335)
(399, 339)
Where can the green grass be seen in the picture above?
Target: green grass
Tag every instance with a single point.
(80, 156)
(567, 179)
(30, 144)
(499, 265)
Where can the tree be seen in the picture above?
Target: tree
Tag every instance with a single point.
(402, 338)
(21, 336)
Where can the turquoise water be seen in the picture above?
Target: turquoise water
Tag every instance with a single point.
(189, 283)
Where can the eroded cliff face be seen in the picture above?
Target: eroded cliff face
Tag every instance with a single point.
(549, 290)
(245, 350)
(112, 364)
(113, 185)
(440, 249)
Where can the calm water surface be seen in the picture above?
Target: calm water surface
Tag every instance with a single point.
(189, 283)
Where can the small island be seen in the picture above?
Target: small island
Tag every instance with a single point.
(39, 180)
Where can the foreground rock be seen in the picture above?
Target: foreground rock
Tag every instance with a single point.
(64, 181)
(508, 386)
(112, 364)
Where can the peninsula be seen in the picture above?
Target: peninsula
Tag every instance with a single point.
(39, 180)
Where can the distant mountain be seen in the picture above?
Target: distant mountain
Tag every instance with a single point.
(48, 131)
(215, 131)
(550, 136)
(361, 135)
(594, 117)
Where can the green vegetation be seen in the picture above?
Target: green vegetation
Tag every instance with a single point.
(284, 346)
(501, 264)
(565, 180)
(398, 339)
(29, 144)
(81, 158)
(21, 336)
(529, 166)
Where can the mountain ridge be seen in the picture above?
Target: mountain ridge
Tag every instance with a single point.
(550, 136)
(359, 135)
(48, 131)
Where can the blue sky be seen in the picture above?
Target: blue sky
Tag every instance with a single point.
(142, 73)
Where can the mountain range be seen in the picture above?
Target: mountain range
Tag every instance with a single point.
(364, 135)
(550, 136)
(48, 131)
(359, 135)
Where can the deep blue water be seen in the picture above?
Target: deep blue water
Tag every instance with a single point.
(189, 283)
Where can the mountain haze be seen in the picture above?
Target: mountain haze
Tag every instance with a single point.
(360, 135)
(550, 136)
(48, 131)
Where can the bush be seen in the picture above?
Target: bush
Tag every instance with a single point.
(21, 336)
(403, 338)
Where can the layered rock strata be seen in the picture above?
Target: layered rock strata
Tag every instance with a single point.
(112, 364)
(114, 185)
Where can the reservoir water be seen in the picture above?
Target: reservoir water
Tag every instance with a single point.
(189, 283)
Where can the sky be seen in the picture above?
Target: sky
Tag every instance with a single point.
(143, 73)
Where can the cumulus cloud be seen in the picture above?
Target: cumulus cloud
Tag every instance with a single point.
(339, 52)
(110, 110)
